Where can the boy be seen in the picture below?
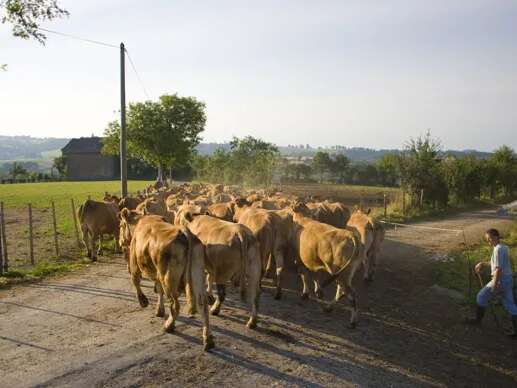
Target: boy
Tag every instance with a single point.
(501, 283)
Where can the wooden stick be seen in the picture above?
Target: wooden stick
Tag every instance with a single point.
(31, 241)
(74, 216)
(385, 206)
(1, 249)
(4, 240)
(56, 243)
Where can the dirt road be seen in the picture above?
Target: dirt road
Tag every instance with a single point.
(87, 329)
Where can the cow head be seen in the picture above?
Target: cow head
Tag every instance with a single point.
(301, 208)
(128, 220)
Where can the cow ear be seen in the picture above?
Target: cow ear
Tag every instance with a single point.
(124, 214)
(188, 216)
(368, 211)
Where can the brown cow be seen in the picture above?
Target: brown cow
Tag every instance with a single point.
(364, 224)
(223, 211)
(335, 214)
(129, 203)
(97, 219)
(172, 257)
(155, 207)
(232, 253)
(322, 247)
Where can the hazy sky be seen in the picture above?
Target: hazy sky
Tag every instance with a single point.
(354, 73)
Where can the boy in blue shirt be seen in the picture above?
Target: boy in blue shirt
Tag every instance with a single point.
(501, 283)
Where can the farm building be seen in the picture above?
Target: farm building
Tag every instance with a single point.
(84, 160)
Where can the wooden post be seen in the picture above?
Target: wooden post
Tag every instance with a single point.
(1, 250)
(403, 203)
(74, 216)
(385, 206)
(54, 223)
(4, 240)
(31, 240)
(421, 198)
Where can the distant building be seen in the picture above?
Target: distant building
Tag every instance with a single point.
(84, 160)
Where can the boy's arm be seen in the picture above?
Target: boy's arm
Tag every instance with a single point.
(497, 277)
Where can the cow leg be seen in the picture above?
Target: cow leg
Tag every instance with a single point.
(318, 291)
(199, 300)
(135, 280)
(160, 308)
(209, 295)
(353, 300)
(99, 251)
(305, 291)
(279, 261)
(171, 287)
(93, 242)
(221, 296)
(86, 240)
(253, 291)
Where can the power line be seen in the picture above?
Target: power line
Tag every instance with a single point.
(137, 75)
(78, 38)
(107, 45)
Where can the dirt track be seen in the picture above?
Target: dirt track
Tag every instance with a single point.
(87, 329)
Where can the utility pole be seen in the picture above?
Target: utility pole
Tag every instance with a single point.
(123, 161)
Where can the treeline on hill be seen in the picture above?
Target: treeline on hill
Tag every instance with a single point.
(428, 175)
(164, 135)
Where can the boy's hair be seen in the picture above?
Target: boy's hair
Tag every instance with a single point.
(493, 232)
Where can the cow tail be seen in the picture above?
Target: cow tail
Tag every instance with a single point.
(189, 289)
(244, 261)
(80, 213)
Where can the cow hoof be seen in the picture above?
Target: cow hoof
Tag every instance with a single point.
(252, 324)
(142, 299)
(208, 343)
(210, 299)
(160, 312)
(215, 311)
(305, 296)
(278, 295)
(169, 328)
(94, 258)
(319, 294)
(352, 325)
(327, 309)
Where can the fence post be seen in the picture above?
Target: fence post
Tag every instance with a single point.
(4, 240)
(31, 241)
(385, 206)
(421, 198)
(403, 203)
(74, 216)
(54, 223)
(1, 250)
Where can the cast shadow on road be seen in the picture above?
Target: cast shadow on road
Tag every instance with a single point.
(20, 305)
(402, 329)
(24, 343)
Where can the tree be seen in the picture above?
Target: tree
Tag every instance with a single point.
(60, 165)
(163, 134)
(504, 160)
(463, 177)
(420, 170)
(339, 166)
(321, 164)
(17, 170)
(26, 15)
(388, 169)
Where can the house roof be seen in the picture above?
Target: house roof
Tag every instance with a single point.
(90, 145)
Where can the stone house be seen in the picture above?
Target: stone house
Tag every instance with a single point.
(84, 160)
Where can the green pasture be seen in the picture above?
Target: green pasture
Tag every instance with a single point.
(40, 195)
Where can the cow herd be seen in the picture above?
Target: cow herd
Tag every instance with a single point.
(188, 237)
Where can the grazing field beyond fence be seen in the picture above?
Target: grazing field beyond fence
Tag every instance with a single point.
(32, 238)
(16, 199)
